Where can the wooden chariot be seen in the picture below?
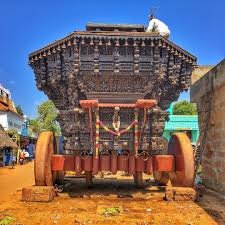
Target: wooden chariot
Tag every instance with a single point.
(112, 85)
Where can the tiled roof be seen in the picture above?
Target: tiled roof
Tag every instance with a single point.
(7, 105)
(3, 107)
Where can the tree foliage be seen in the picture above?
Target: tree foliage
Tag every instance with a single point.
(46, 119)
(34, 126)
(14, 135)
(19, 110)
(184, 108)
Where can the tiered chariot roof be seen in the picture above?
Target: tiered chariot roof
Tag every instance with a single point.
(159, 68)
(112, 32)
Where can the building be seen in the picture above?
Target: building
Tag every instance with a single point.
(8, 148)
(9, 118)
(183, 123)
(209, 94)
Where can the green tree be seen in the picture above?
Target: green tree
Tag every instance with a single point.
(34, 125)
(46, 119)
(184, 108)
(19, 110)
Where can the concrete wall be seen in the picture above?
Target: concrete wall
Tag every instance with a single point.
(200, 72)
(209, 94)
(15, 122)
(11, 120)
(3, 119)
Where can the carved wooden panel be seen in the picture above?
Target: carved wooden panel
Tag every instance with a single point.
(69, 70)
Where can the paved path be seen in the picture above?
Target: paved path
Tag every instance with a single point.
(12, 180)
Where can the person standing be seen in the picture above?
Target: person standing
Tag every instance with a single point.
(27, 156)
(12, 159)
(22, 157)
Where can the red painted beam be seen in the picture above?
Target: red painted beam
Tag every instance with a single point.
(113, 163)
(112, 105)
(140, 103)
(89, 103)
(163, 163)
(145, 103)
(63, 163)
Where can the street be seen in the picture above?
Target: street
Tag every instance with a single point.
(12, 180)
(81, 205)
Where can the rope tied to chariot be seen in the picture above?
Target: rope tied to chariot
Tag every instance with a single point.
(118, 133)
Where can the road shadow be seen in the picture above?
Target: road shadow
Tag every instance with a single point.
(111, 186)
(213, 204)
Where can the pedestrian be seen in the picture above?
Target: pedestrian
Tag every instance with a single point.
(27, 156)
(31, 150)
(11, 161)
(21, 157)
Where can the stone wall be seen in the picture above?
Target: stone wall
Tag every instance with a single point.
(209, 94)
(200, 72)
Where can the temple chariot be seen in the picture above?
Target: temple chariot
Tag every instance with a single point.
(112, 84)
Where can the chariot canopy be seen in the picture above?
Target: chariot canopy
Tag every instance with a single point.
(112, 58)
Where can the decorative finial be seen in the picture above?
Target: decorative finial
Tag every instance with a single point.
(152, 12)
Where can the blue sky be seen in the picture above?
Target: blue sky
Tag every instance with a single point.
(196, 25)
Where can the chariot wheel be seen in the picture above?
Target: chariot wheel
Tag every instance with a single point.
(161, 177)
(42, 163)
(180, 147)
(138, 179)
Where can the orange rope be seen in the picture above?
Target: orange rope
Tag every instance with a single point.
(119, 132)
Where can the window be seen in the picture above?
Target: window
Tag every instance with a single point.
(17, 126)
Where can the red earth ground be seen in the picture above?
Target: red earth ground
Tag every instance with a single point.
(81, 205)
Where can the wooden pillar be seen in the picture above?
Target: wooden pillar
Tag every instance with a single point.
(88, 177)
(138, 179)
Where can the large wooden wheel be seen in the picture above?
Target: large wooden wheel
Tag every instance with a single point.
(180, 147)
(42, 163)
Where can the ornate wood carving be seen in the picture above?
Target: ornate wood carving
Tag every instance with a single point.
(88, 62)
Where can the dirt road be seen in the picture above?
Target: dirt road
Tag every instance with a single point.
(13, 179)
(80, 205)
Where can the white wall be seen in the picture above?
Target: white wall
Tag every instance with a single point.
(11, 120)
(14, 122)
(4, 120)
